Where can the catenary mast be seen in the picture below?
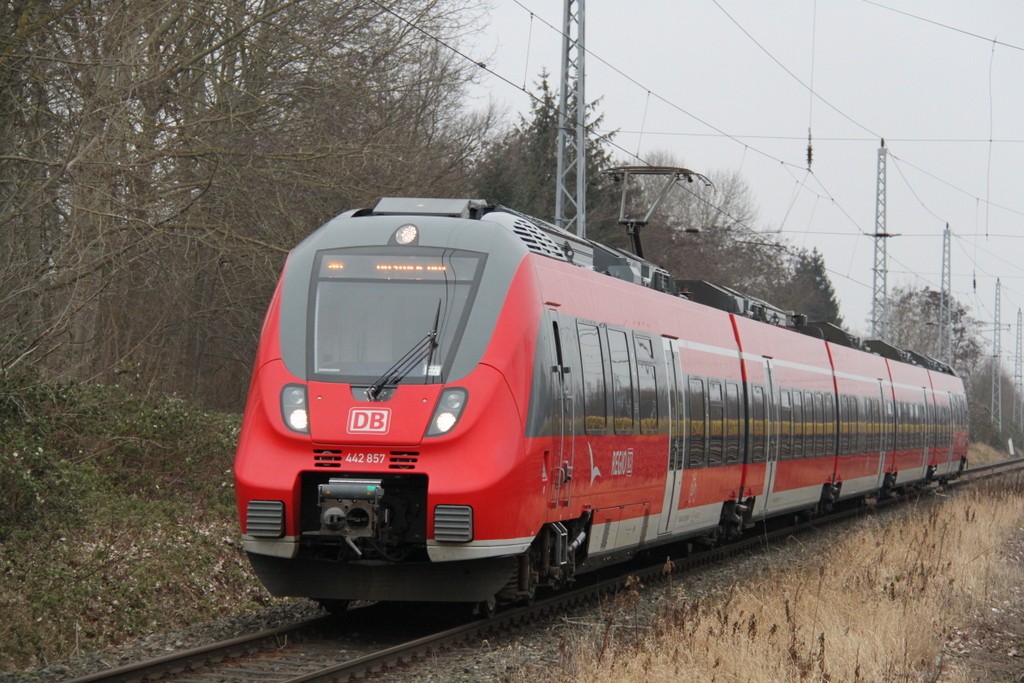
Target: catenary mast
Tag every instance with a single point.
(997, 353)
(571, 177)
(945, 302)
(1018, 376)
(879, 302)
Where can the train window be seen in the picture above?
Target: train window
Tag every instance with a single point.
(922, 425)
(648, 385)
(812, 414)
(830, 423)
(622, 382)
(863, 424)
(889, 426)
(912, 421)
(648, 398)
(844, 425)
(857, 416)
(697, 427)
(799, 426)
(934, 435)
(716, 423)
(819, 424)
(786, 426)
(903, 436)
(644, 350)
(900, 424)
(594, 405)
(733, 423)
(946, 426)
(757, 433)
(874, 429)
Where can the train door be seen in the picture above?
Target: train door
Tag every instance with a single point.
(674, 478)
(925, 428)
(947, 430)
(767, 420)
(889, 435)
(564, 414)
(881, 443)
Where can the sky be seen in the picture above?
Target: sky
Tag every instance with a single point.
(726, 85)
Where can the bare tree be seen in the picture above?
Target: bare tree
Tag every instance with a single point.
(159, 157)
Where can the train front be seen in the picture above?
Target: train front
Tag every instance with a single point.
(381, 448)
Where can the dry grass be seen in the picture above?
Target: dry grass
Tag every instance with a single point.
(876, 607)
(982, 454)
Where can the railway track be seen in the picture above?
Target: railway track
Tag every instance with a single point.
(380, 637)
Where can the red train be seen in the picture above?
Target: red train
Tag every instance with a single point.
(456, 402)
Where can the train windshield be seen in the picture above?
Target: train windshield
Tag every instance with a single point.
(370, 306)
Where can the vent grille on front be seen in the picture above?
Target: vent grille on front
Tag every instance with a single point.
(537, 240)
(403, 460)
(326, 458)
(265, 519)
(453, 523)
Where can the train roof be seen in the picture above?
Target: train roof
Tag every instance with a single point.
(551, 241)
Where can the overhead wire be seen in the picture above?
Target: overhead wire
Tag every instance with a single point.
(782, 162)
(659, 97)
(745, 145)
(946, 26)
(794, 76)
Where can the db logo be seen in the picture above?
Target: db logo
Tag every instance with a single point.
(369, 421)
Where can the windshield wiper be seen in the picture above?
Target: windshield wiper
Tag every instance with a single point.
(424, 348)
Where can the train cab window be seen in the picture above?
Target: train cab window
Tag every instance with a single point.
(698, 442)
(622, 382)
(786, 426)
(648, 385)
(798, 424)
(716, 423)
(594, 404)
(370, 307)
(733, 423)
(757, 432)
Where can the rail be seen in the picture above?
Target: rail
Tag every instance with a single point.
(408, 652)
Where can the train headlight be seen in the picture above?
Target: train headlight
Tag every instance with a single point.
(448, 411)
(407, 234)
(294, 408)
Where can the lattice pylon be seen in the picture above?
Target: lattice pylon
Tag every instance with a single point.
(571, 175)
